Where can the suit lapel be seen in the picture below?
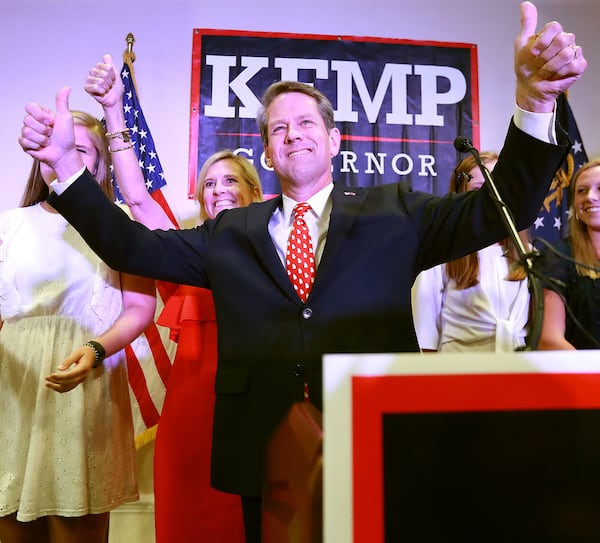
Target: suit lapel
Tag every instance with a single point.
(346, 204)
(258, 236)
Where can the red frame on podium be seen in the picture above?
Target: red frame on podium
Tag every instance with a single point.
(359, 389)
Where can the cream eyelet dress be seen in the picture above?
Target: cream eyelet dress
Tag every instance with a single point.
(67, 454)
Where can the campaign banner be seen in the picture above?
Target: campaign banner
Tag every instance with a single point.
(399, 104)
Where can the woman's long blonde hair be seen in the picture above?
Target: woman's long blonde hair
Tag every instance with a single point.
(465, 270)
(581, 244)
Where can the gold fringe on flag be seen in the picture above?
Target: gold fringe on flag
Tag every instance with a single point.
(145, 437)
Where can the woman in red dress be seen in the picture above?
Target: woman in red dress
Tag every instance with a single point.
(187, 508)
(186, 504)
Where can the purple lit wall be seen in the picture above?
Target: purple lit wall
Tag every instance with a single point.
(43, 48)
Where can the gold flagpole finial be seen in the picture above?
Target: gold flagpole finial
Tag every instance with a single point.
(128, 54)
(129, 58)
(130, 39)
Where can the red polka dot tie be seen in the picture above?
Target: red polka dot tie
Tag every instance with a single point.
(300, 259)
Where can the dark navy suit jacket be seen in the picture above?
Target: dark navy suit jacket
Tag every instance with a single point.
(270, 342)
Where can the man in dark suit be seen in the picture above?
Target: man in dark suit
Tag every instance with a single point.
(369, 245)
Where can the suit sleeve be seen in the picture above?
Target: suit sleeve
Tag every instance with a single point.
(128, 246)
(458, 224)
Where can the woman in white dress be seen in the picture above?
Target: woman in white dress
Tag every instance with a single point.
(479, 302)
(66, 432)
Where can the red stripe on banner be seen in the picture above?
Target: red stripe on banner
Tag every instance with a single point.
(137, 380)
(253, 33)
(349, 137)
(475, 97)
(372, 397)
(194, 113)
(159, 353)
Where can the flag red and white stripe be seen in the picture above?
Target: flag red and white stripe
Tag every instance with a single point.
(150, 357)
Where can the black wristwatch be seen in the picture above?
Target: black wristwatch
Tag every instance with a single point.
(99, 352)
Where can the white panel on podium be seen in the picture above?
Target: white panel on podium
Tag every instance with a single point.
(362, 391)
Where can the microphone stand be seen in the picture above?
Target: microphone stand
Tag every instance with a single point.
(464, 145)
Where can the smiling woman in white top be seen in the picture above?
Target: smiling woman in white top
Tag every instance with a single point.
(476, 303)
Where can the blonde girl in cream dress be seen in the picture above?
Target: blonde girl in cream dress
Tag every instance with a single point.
(68, 453)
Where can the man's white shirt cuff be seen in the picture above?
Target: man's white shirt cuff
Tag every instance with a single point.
(539, 125)
(60, 186)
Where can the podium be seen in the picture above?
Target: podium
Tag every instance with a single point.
(292, 490)
(462, 447)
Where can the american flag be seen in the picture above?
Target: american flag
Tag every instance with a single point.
(553, 219)
(149, 358)
(143, 143)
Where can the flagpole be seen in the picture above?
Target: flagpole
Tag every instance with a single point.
(129, 58)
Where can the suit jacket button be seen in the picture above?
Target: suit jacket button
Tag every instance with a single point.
(299, 370)
(307, 313)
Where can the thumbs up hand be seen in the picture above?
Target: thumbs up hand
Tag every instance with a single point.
(49, 137)
(547, 63)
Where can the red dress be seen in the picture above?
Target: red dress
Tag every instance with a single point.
(187, 507)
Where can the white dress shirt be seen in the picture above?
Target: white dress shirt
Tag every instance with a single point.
(317, 220)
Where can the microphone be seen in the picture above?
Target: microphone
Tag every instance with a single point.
(463, 144)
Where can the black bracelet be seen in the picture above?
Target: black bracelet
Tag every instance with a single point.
(99, 352)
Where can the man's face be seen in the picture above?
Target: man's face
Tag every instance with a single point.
(300, 147)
